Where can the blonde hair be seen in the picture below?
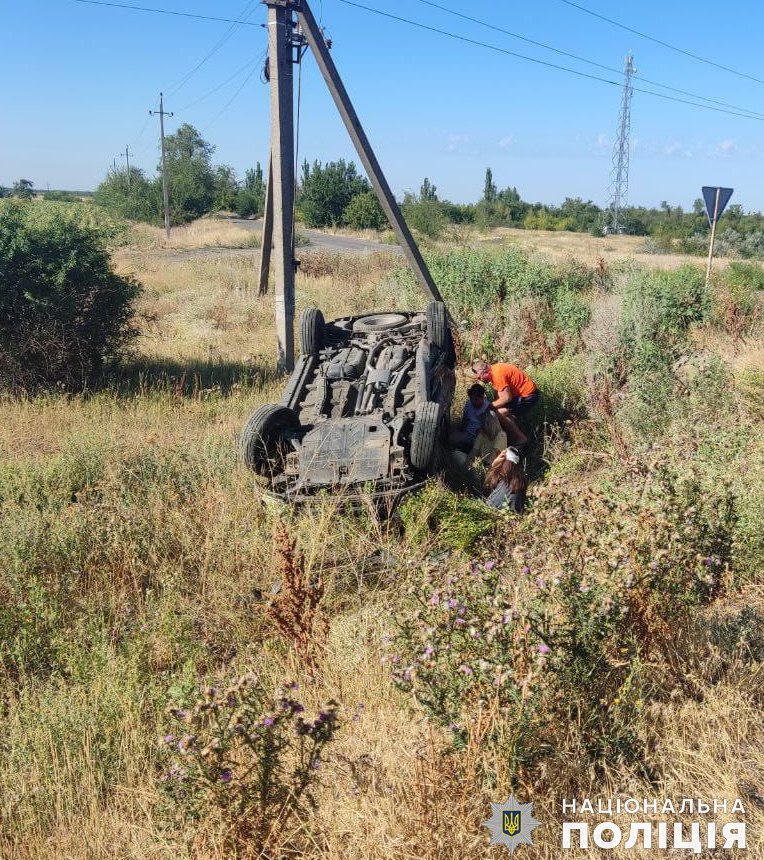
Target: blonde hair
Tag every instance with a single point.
(489, 424)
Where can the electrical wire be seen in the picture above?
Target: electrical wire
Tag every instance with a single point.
(746, 115)
(167, 12)
(585, 59)
(232, 99)
(243, 15)
(662, 43)
(224, 83)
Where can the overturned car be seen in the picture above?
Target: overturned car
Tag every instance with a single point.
(367, 404)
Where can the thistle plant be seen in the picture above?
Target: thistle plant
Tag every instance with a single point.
(243, 763)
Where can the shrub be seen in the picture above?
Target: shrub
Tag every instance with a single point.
(546, 648)
(364, 213)
(243, 763)
(63, 311)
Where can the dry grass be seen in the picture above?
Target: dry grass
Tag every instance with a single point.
(562, 246)
(178, 546)
(203, 233)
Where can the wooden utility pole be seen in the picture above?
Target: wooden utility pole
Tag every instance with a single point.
(281, 173)
(165, 190)
(265, 249)
(126, 155)
(312, 33)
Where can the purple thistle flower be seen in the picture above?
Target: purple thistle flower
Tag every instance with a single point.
(168, 739)
(459, 622)
(428, 652)
(226, 775)
(408, 675)
(544, 649)
(708, 562)
(467, 670)
(395, 659)
(490, 565)
(452, 603)
(268, 722)
(526, 570)
(434, 599)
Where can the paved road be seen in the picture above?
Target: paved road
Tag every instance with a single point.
(325, 241)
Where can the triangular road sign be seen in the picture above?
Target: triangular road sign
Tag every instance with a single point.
(716, 203)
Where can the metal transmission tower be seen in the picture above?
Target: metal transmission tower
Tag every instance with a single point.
(619, 176)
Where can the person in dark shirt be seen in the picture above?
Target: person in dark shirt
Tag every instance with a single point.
(477, 404)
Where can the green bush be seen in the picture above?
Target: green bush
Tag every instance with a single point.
(63, 311)
(556, 646)
(364, 213)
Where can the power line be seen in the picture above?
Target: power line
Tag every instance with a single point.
(232, 99)
(746, 115)
(228, 80)
(662, 43)
(583, 59)
(168, 12)
(243, 15)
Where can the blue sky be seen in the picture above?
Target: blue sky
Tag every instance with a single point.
(79, 81)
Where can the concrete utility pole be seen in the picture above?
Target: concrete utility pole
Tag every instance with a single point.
(126, 155)
(165, 192)
(265, 248)
(281, 172)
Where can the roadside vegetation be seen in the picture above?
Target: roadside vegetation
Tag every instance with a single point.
(189, 669)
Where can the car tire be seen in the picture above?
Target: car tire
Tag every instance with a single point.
(424, 436)
(379, 322)
(312, 327)
(263, 443)
(437, 324)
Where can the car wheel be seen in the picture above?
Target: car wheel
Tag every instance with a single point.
(264, 444)
(311, 331)
(424, 436)
(437, 324)
(379, 322)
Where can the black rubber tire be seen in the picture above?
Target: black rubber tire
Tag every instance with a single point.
(437, 324)
(424, 436)
(312, 327)
(263, 446)
(380, 322)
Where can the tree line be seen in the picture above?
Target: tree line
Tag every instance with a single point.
(335, 194)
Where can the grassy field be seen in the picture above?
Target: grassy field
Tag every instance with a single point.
(607, 645)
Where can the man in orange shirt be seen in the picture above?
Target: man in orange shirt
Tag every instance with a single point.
(516, 394)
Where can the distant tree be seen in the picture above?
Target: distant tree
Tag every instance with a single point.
(327, 190)
(428, 191)
(4, 192)
(364, 212)
(250, 198)
(428, 217)
(190, 176)
(489, 188)
(61, 196)
(138, 200)
(699, 207)
(226, 188)
(23, 188)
